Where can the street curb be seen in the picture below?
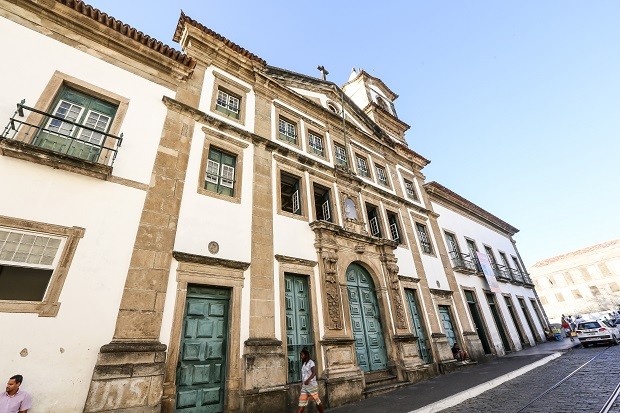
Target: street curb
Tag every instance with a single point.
(481, 388)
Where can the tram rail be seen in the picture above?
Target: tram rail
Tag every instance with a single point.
(607, 406)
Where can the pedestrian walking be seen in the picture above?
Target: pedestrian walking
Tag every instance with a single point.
(567, 329)
(14, 400)
(309, 386)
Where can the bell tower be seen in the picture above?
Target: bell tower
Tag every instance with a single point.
(377, 101)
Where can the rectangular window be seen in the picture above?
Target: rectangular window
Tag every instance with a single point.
(290, 193)
(220, 173)
(322, 207)
(394, 227)
(27, 262)
(517, 266)
(373, 220)
(410, 190)
(381, 175)
(425, 242)
(288, 131)
(341, 155)
(315, 142)
(362, 166)
(76, 125)
(228, 104)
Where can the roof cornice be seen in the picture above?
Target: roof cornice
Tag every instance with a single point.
(440, 192)
(184, 19)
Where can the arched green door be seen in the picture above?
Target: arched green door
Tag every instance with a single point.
(365, 320)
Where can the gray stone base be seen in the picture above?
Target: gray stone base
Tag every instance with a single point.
(473, 345)
(264, 384)
(343, 390)
(128, 378)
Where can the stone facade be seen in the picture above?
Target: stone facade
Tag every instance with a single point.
(311, 225)
(580, 282)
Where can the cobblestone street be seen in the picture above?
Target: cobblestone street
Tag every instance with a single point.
(586, 391)
(535, 391)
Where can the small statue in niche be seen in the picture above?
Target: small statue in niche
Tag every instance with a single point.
(350, 211)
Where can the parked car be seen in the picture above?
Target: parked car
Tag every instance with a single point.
(597, 331)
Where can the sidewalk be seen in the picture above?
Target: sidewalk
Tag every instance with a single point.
(448, 390)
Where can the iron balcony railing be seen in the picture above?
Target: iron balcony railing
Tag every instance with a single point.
(516, 275)
(462, 262)
(501, 272)
(80, 141)
(527, 279)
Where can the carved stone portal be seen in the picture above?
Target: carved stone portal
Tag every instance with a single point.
(392, 269)
(332, 292)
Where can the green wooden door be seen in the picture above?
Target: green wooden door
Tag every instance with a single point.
(201, 370)
(472, 304)
(418, 327)
(446, 322)
(365, 320)
(498, 321)
(298, 322)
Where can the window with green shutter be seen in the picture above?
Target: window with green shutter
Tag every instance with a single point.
(220, 173)
(77, 124)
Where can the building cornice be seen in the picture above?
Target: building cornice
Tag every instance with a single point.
(440, 193)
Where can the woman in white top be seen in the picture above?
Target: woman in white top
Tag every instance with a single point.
(309, 386)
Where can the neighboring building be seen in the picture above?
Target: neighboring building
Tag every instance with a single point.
(177, 226)
(580, 282)
(508, 316)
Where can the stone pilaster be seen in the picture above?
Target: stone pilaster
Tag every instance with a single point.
(128, 376)
(264, 360)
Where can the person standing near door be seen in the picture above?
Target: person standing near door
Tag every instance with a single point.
(309, 386)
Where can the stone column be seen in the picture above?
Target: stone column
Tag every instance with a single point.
(128, 376)
(265, 366)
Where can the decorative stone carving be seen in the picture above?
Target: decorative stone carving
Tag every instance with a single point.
(330, 266)
(394, 283)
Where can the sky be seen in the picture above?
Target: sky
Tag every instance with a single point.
(516, 102)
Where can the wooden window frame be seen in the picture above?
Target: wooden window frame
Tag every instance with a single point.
(55, 85)
(337, 161)
(359, 158)
(233, 88)
(50, 305)
(385, 175)
(429, 241)
(302, 193)
(311, 150)
(231, 146)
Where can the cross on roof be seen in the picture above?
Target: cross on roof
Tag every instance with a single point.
(323, 71)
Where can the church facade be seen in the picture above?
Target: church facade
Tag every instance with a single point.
(182, 224)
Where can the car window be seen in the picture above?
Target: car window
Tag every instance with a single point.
(607, 323)
(588, 325)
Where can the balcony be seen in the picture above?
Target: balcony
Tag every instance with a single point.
(462, 262)
(44, 138)
(527, 280)
(516, 275)
(501, 272)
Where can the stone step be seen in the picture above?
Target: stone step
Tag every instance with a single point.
(377, 389)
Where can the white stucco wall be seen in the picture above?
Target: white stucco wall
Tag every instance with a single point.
(145, 115)
(61, 351)
(203, 218)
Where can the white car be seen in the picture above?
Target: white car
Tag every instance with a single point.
(597, 331)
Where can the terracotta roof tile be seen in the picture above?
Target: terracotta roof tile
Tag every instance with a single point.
(186, 19)
(128, 31)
